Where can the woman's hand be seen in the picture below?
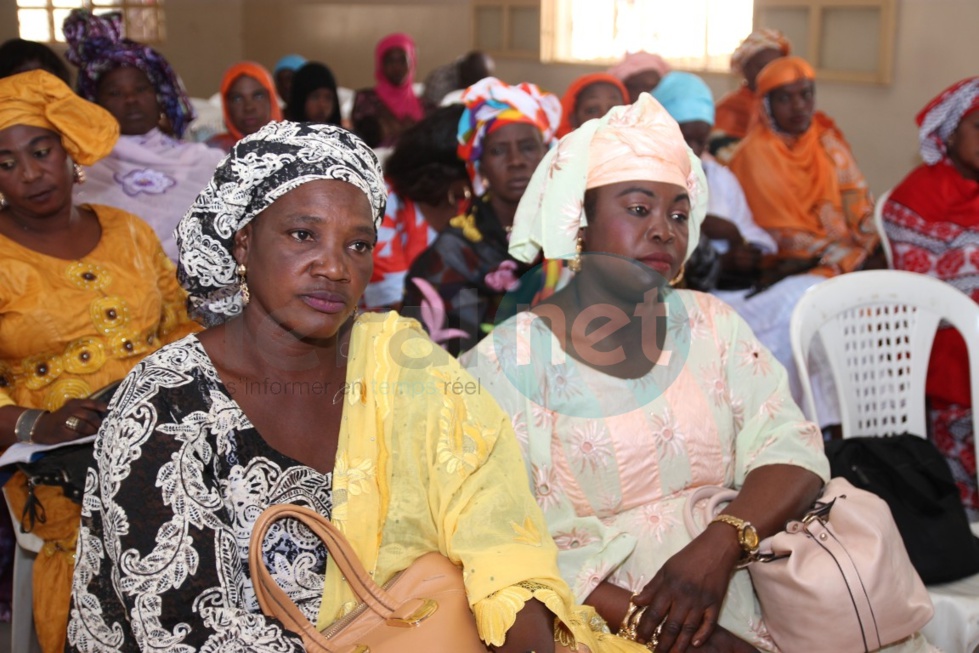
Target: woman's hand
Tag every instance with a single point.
(78, 418)
(686, 594)
(532, 631)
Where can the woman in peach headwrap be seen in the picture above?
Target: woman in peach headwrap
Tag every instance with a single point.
(640, 72)
(618, 431)
(85, 292)
(248, 102)
(800, 178)
(737, 110)
(590, 96)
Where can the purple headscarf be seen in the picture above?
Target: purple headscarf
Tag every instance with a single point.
(96, 46)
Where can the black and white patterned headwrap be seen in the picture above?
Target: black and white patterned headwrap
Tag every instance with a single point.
(261, 168)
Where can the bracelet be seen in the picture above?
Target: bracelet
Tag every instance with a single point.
(26, 423)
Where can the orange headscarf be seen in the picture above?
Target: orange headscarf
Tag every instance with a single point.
(257, 72)
(570, 99)
(806, 190)
(39, 99)
(735, 112)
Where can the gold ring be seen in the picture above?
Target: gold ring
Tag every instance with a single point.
(73, 423)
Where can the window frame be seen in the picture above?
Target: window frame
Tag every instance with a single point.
(886, 36)
(506, 7)
(122, 6)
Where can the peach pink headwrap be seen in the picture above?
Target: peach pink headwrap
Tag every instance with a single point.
(633, 142)
(39, 99)
(760, 39)
(637, 62)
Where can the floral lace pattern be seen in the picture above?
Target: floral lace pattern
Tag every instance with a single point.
(170, 570)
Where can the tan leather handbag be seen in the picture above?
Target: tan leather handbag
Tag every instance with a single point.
(423, 608)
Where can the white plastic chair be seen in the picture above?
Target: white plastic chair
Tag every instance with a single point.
(879, 225)
(877, 328)
(23, 637)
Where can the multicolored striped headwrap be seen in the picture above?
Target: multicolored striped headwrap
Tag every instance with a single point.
(96, 46)
(491, 104)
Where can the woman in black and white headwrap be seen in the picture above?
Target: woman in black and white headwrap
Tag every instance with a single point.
(289, 397)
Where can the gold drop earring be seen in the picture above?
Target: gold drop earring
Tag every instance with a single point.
(242, 271)
(678, 279)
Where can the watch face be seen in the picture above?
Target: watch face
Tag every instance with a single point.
(749, 538)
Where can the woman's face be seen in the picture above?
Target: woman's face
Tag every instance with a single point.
(645, 221)
(394, 66)
(320, 105)
(128, 95)
(35, 171)
(283, 83)
(249, 105)
(510, 156)
(754, 65)
(641, 82)
(594, 101)
(963, 146)
(696, 133)
(308, 257)
(793, 105)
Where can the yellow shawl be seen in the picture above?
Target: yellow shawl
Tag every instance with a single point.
(427, 461)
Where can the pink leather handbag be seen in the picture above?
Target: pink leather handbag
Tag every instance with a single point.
(838, 581)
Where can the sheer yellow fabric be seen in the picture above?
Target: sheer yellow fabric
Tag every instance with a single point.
(427, 461)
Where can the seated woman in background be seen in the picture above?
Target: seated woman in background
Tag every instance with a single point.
(19, 56)
(617, 434)
(590, 96)
(285, 69)
(275, 258)
(801, 180)
(737, 111)
(640, 72)
(380, 114)
(248, 102)
(314, 96)
(932, 221)
(762, 288)
(85, 293)
(428, 185)
(459, 281)
(150, 172)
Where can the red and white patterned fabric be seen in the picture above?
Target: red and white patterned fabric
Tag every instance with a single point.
(403, 235)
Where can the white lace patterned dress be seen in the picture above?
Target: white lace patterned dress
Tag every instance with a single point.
(167, 515)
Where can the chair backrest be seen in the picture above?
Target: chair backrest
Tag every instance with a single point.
(879, 225)
(877, 328)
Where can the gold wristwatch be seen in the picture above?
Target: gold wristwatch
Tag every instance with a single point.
(747, 535)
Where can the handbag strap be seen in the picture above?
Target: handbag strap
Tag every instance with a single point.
(275, 602)
(857, 591)
(715, 496)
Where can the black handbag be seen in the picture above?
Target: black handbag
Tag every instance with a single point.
(913, 478)
(64, 467)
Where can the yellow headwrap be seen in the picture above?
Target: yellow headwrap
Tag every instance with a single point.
(39, 99)
(633, 142)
